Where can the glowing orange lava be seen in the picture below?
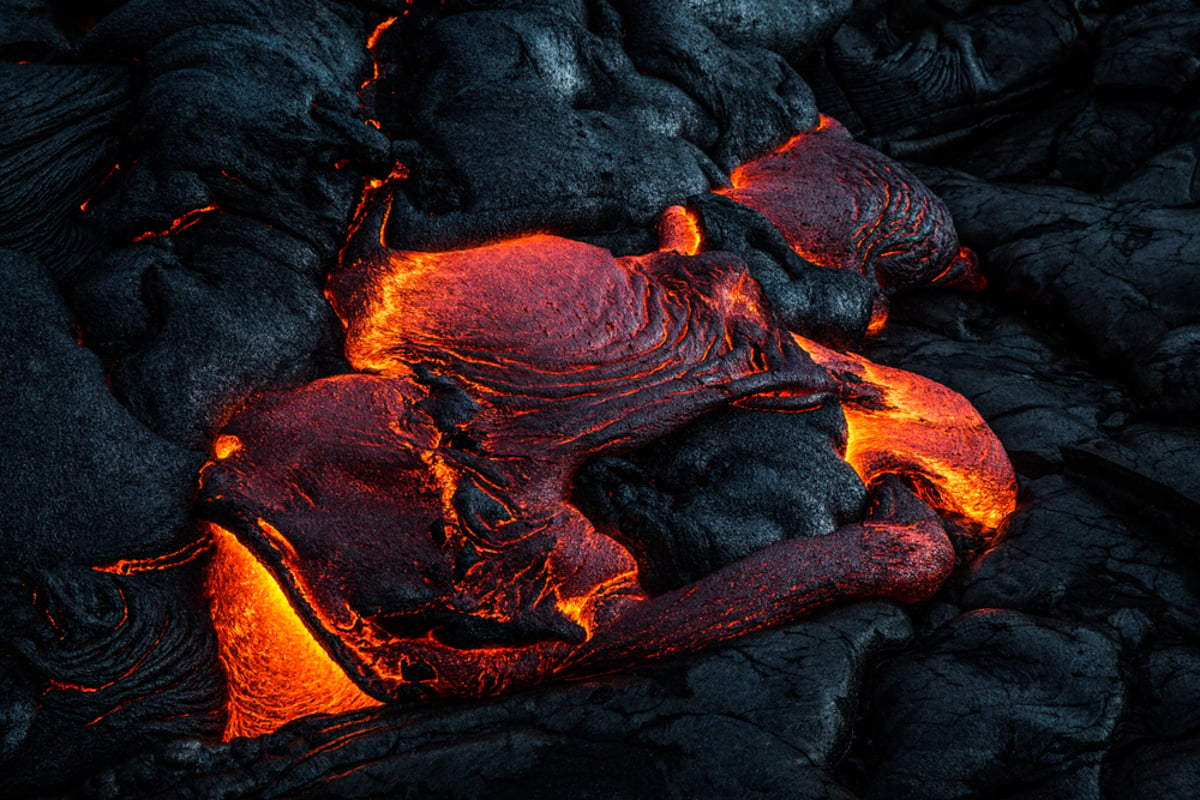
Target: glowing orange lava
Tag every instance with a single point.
(406, 531)
(918, 429)
(277, 671)
(679, 231)
(843, 205)
(226, 445)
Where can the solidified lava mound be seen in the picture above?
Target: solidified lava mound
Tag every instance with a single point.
(619, 317)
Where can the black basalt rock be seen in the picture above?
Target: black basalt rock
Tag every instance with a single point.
(997, 702)
(726, 486)
(83, 482)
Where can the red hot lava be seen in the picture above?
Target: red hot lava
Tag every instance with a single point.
(844, 205)
(413, 519)
(406, 531)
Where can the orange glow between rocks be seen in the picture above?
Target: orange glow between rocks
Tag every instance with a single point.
(186, 554)
(879, 318)
(277, 671)
(226, 445)
(373, 38)
(372, 41)
(88, 202)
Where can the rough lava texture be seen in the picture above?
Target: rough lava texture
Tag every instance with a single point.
(219, 150)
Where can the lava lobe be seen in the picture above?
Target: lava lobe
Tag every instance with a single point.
(415, 514)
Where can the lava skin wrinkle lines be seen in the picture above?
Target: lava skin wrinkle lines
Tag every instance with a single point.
(413, 518)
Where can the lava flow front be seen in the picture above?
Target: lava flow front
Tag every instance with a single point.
(406, 531)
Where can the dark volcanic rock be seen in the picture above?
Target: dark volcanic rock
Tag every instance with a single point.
(722, 488)
(830, 305)
(1162, 759)
(1120, 275)
(1070, 556)
(27, 29)
(82, 481)
(246, 106)
(58, 139)
(731, 58)
(997, 702)
(95, 666)
(570, 117)
(919, 76)
(1168, 770)
(764, 717)
(247, 120)
(523, 117)
(226, 307)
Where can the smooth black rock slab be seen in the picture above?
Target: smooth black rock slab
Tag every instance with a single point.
(1069, 555)
(1121, 276)
(995, 701)
(81, 480)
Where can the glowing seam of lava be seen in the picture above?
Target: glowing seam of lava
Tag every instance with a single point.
(180, 223)
(86, 204)
(372, 42)
(185, 554)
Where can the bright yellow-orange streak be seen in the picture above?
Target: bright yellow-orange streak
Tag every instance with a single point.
(226, 445)
(679, 231)
(927, 432)
(176, 558)
(277, 671)
(373, 38)
(879, 318)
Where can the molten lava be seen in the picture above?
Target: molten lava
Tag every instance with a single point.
(416, 519)
(910, 426)
(277, 671)
(406, 530)
(679, 231)
(844, 205)
(181, 223)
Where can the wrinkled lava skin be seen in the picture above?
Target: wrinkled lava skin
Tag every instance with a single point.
(416, 513)
(845, 205)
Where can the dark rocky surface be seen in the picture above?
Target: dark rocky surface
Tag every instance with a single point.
(1064, 662)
